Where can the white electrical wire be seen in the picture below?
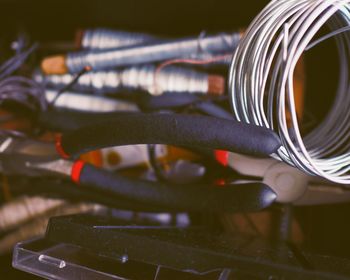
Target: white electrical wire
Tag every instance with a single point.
(261, 83)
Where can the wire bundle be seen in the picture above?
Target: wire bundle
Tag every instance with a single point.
(24, 91)
(261, 83)
(18, 88)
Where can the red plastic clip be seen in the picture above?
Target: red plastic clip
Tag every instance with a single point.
(76, 171)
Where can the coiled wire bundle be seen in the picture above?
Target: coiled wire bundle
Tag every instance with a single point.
(261, 83)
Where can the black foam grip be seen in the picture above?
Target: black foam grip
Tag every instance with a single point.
(233, 198)
(173, 129)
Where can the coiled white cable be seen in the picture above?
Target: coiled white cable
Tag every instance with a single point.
(261, 83)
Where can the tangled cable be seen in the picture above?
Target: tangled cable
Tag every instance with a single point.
(24, 91)
(21, 89)
(261, 83)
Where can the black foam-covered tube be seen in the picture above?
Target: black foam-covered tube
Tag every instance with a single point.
(232, 198)
(173, 129)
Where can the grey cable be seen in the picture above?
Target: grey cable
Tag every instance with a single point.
(153, 52)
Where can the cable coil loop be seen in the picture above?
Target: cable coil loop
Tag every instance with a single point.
(261, 83)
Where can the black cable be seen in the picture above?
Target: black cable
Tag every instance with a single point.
(211, 109)
(167, 101)
(152, 157)
(175, 101)
(55, 188)
(69, 85)
(67, 120)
